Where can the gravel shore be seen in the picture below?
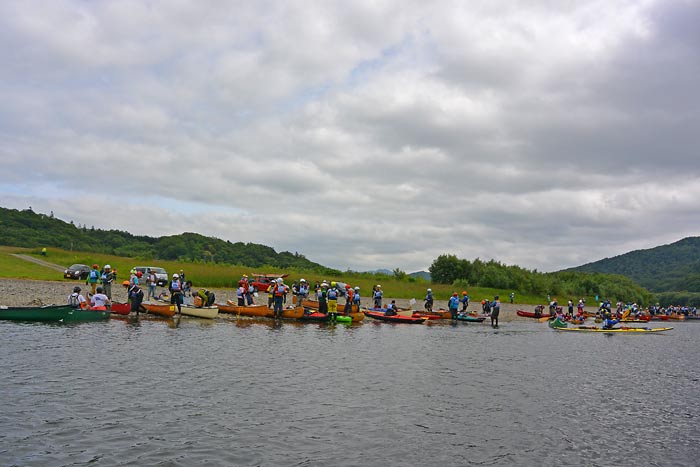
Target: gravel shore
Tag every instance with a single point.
(18, 292)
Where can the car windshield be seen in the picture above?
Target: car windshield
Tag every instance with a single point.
(158, 270)
(77, 266)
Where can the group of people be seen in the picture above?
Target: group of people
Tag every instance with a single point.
(105, 276)
(98, 300)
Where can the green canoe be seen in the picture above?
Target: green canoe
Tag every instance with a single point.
(560, 325)
(51, 313)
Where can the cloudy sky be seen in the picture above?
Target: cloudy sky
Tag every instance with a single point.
(364, 134)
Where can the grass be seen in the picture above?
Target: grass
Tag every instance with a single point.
(227, 276)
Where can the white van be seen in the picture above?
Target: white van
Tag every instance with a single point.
(161, 274)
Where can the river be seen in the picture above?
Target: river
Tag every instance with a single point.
(249, 393)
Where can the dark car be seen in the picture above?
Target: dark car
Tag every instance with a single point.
(77, 271)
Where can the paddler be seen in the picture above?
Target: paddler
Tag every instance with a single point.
(429, 300)
(99, 301)
(356, 297)
(378, 294)
(609, 322)
(332, 297)
(280, 291)
(302, 291)
(391, 309)
(176, 296)
(76, 299)
(464, 300)
(453, 305)
(495, 310)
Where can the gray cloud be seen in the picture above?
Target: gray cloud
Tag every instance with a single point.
(361, 134)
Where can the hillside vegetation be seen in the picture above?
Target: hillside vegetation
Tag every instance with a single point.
(29, 229)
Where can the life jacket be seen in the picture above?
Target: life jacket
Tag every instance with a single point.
(356, 297)
(175, 285)
(333, 294)
(279, 290)
(94, 275)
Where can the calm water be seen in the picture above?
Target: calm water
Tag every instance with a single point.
(249, 393)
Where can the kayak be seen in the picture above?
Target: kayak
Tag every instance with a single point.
(531, 314)
(120, 308)
(428, 317)
(51, 313)
(439, 314)
(394, 318)
(559, 325)
(209, 312)
(260, 311)
(162, 309)
(313, 304)
(322, 317)
(470, 318)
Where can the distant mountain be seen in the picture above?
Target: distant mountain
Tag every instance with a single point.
(674, 267)
(387, 272)
(29, 229)
(422, 274)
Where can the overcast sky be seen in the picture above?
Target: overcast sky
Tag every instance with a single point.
(364, 134)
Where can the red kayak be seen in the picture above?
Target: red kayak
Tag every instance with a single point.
(394, 318)
(531, 314)
(120, 308)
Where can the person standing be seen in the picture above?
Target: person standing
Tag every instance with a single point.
(240, 295)
(495, 311)
(176, 295)
(453, 305)
(93, 278)
(152, 281)
(512, 297)
(571, 308)
(280, 291)
(429, 300)
(378, 294)
(464, 300)
(136, 298)
(349, 293)
(107, 279)
(321, 296)
(332, 297)
(302, 292)
(356, 298)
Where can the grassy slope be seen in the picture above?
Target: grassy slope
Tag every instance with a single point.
(226, 276)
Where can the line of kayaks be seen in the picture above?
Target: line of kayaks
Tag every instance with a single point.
(559, 325)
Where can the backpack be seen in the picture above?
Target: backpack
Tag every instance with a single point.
(94, 274)
(73, 300)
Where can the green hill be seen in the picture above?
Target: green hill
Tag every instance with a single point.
(28, 229)
(667, 268)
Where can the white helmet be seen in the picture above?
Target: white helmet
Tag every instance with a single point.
(357, 288)
(107, 266)
(175, 276)
(430, 290)
(379, 286)
(302, 280)
(279, 280)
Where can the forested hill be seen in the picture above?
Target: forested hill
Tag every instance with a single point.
(29, 229)
(673, 267)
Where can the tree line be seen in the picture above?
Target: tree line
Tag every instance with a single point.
(448, 269)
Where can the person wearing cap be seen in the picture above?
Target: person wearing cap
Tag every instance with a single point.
(176, 296)
(332, 297)
(76, 299)
(349, 293)
(378, 294)
(302, 292)
(429, 300)
(356, 298)
(280, 292)
(93, 277)
(495, 310)
(464, 300)
(107, 278)
(453, 305)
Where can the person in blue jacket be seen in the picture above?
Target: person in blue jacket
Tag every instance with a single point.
(495, 310)
(429, 300)
(453, 305)
(464, 300)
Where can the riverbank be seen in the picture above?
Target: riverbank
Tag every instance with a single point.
(19, 292)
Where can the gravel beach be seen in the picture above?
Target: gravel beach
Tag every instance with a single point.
(17, 292)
